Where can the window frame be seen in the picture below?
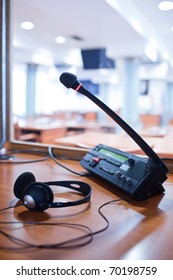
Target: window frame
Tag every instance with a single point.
(4, 69)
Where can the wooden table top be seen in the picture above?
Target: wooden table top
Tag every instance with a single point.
(90, 139)
(137, 230)
(161, 145)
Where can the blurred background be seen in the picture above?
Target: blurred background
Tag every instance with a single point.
(121, 51)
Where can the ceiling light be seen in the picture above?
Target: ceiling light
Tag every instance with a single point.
(28, 25)
(165, 6)
(60, 40)
(172, 28)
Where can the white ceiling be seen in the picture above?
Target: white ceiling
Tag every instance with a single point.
(96, 23)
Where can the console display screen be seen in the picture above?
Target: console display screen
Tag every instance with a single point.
(113, 155)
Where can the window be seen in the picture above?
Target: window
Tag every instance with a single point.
(39, 104)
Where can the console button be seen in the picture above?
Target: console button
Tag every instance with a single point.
(123, 178)
(109, 171)
(131, 161)
(129, 181)
(93, 163)
(118, 174)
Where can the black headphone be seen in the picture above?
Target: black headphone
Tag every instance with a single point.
(38, 196)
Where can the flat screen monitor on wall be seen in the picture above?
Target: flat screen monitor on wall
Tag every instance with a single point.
(96, 59)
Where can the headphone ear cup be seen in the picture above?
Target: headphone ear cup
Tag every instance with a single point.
(37, 196)
(21, 182)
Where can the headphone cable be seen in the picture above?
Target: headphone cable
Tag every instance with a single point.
(71, 243)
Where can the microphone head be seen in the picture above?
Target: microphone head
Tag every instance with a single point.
(68, 79)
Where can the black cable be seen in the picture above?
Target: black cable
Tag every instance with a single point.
(8, 156)
(9, 207)
(50, 150)
(23, 245)
(169, 163)
(71, 243)
(166, 159)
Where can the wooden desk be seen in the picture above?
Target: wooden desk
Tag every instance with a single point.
(138, 230)
(91, 139)
(90, 126)
(161, 145)
(46, 130)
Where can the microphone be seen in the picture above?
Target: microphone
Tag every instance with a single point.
(69, 80)
(137, 176)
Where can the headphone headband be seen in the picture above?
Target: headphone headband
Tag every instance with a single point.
(83, 188)
(39, 196)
